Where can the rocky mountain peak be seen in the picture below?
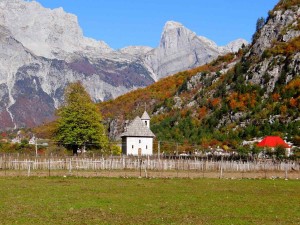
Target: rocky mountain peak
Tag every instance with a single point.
(181, 49)
(60, 34)
(235, 45)
(175, 36)
(170, 25)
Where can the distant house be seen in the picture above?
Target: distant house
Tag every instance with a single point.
(18, 138)
(273, 142)
(32, 140)
(137, 138)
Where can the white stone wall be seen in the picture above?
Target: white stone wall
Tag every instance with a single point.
(144, 143)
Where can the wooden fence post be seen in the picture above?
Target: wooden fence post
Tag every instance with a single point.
(70, 166)
(202, 168)
(28, 173)
(49, 167)
(221, 172)
(140, 167)
(265, 169)
(5, 165)
(286, 171)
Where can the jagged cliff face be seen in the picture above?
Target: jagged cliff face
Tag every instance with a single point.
(43, 50)
(32, 87)
(281, 28)
(47, 33)
(181, 49)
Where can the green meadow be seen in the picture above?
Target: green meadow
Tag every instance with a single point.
(71, 200)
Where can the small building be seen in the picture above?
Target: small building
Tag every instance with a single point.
(18, 138)
(137, 138)
(273, 142)
(32, 140)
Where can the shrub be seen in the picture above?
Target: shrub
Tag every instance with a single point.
(280, 152)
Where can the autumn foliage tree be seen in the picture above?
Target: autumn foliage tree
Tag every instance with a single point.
(79, 121)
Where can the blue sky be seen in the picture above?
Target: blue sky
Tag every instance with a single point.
(122, 23)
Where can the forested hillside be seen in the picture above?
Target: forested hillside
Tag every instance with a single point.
(252, 93)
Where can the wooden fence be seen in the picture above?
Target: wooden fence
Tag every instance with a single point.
(70, 164)
(150, 164)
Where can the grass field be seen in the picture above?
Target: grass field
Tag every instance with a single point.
(72, 200)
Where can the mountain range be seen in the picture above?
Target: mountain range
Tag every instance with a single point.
(239, 96)
(42, 50)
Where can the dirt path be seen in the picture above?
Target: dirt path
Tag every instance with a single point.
(155, 174)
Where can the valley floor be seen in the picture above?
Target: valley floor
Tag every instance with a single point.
(74, 200)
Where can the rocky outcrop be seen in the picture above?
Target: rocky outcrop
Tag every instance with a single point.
(267, 74)
(139, 51)
(279, 27)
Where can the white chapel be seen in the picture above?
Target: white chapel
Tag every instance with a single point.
(138, 138)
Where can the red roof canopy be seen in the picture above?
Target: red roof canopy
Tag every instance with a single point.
(273, 141)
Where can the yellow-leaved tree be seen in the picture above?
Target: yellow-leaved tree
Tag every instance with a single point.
(79, 121)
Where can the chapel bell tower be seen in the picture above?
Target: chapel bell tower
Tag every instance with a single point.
(146, 119)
